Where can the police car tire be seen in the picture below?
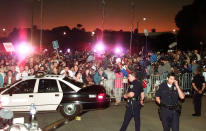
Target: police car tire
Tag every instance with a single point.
(70, 110)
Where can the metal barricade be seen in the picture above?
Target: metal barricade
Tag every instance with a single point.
(185, 81)
(120, 82)
(154, 81)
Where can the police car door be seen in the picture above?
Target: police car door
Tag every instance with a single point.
(20, 96)
(48, 95)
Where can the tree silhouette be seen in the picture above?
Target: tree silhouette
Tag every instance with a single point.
(79, 26)
(153, 30)
(191, 23)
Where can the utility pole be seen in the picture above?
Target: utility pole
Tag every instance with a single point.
(132, 20)
(32, 21)
(103, 15)
(41, 28)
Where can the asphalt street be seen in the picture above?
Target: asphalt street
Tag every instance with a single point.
(110, 119)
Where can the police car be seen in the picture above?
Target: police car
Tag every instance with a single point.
(54, 92)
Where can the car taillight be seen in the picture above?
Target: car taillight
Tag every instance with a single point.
(101, 96)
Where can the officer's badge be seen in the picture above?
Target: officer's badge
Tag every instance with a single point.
(131, 86)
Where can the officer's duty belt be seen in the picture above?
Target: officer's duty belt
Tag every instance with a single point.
(133, 99)
(170, 107)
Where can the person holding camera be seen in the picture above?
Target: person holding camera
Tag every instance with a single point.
(135, 97)
(167, 97)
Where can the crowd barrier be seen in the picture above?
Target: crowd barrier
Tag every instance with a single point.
(184, 80)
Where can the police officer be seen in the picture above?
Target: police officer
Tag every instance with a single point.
(198, 84)
(167, 97)
(135, 97)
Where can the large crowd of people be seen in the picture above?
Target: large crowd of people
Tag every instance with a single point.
(91, 68)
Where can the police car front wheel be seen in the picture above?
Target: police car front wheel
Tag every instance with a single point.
(70, 110)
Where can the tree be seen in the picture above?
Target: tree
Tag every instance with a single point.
(79, 26)
(153, 30)
(191, 23)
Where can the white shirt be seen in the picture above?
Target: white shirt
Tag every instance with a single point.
(169, 85)
(25, 74)
(204, 74)
(9, 80)
(18, 76)
(71, 74)
(198, 57)
(62, 72)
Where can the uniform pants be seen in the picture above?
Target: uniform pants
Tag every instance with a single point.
(133, 110)
(170, 120)
(197, 99)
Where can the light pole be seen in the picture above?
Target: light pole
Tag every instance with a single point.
(32, 21)
(103, 15)
(139, 20)
(41, 30)
(146, 33)
(132, 20)
(175, 33)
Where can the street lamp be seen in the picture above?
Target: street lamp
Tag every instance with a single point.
(3, 29)
(139, 20)
(93, 33)
(64, 33)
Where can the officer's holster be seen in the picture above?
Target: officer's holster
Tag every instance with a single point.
(130, 101)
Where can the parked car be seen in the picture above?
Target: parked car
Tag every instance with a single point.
(54, 92)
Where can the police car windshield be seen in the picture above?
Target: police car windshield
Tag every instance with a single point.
(76, 83)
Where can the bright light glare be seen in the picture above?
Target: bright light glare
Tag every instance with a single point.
(118, 50)
(68, 50)
(24, 49)
(99, 47)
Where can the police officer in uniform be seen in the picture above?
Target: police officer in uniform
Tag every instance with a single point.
(167, 97)
(198, 84)
(135, 97)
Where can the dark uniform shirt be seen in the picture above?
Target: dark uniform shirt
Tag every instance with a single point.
(136, 87)
(168, 95)
(198, 80)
